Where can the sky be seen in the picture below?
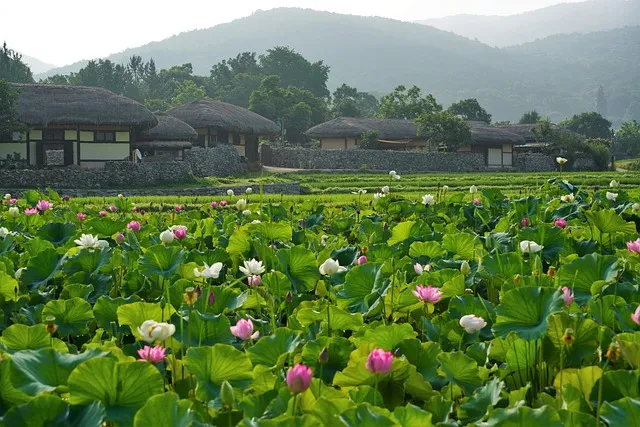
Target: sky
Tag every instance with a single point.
(64, 31)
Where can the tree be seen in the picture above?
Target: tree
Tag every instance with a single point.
(8, 109)
(369, 140)
(601, 103)
(12, 69)
(627, 140)
(470, 109)
(349, 102)
(530, 118)
(188, 91)
(444, 129)
(408, 104)
(295, 70)
(591, 125)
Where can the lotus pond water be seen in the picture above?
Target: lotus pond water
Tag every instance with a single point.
(465, 308)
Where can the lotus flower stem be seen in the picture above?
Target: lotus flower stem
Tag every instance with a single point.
(295, 405)
(376, 380)
(328, 313)
(600, 389)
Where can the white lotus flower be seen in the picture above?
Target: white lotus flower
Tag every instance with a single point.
(230, 193)
(18, 273)
(360, 192)
(418, 268)
(530, 247)
(378, 196)
(256, 221)
(323, 240)
(166, 236)
(428, 199)
(385, 189)
(152, 331)
(392, 173)
(241, 204)
(246, 212)
(561, 160)
(472, 323)
(7, 196)
(88, 241)
(253, 267)
(14, 211)
(396, 177)
(4, 232)
(636, 207)
(209, 271)
(568, 198)
(249, 190)
(445, 188)
(614, 184)
(120, 196)
(612, 196)
(473, 189)
(330, 267)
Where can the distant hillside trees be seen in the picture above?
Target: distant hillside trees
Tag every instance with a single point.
(470, 109)
(627, 140)
(530, 118)
(408, 104)
(591, 125)
(347, 101)
(12, 69)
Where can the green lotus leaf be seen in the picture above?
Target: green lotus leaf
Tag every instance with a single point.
(122, 387)
(526, 312)
(239, 244)
(630, 348)
(608, 221)
(106, 311)
(134, 314)
(277, 284)
(468, 304)
(576, 419)
(499, 268)
(42, 371)
(72, 315)
(105, 227)
(462, 245)
(581, 273)
(583, 379)
(272, 351)
(552, 238)
(365, 415)
(481, 402)
(22, 337)
(523, 416)
(364, 287)
(406, 230)
(388, 337)
(429, 249)
(340, 319)
(51, 411)
(89, 262)
(164, 409)
(9, 288)
(204, 329)
(583, 347)
(338, 350)
(346, 255)
(272, 231)
(439, 408)
(213, 365)
(623, 412)
(461, 370)
(299, 265)
(616, 385)
(42, 268)
(424, 356)
(162, 261)
(57, 233)
(226, 299)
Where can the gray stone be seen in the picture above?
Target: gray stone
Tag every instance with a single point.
(221, 160)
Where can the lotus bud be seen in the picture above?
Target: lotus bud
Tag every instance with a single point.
(198, 290)
(465, 268)
(212, 298)
(50, 324)
(289, 297)
(516, 279)
(66, 198)
(119, 238)
(524, 222)
(568, 336)
(613, 352)
(323, 358)
(190, 296)
(551, 272)
(226, 395)
(14, 211)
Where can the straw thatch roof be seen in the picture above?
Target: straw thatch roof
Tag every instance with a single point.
(162, 145)
(169, 129)
(216, 114)
(45, 105)
(486, 134)
(348, 127)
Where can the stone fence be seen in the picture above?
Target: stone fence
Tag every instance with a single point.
(221, 160)
(401, 161)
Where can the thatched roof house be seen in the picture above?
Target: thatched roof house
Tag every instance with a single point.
(349, 127)
(168, 139)
(219, 122)
(486, 134)
(74, 125)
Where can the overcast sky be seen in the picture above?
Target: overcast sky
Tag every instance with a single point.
(64, 31)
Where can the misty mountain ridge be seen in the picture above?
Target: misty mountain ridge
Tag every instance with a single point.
(37, 66)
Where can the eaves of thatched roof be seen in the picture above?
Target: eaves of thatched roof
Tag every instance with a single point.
(169, 128)
(162, 145)
(46, 105)
(220, 115)
(349, 127)
(486, 134)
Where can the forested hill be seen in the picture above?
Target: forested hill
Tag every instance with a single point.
(564, 18)
(377, 54)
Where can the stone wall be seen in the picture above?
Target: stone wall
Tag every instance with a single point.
(534, 162)
(400, 161)
(221, 160)
(114, 175)
(282, 188)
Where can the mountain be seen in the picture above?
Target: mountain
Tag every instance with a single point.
(557, 76)
(563, 18)
(37, 66)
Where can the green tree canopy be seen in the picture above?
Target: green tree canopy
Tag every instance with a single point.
(445, 130)
(591, 125)
(627, 139)
(8, 108)
(12, 69)
(470, 109)
(530, 117)
(409, 104)
(188, 91)
(349, 102)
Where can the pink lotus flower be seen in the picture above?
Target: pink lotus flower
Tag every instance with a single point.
(214, 204)
(134, 209)
(561, 222)
(44, 205)
(180, 233)
(151, 354)
(66, 198)
(223, 203)
(13, 201)
(567, 296)
(476, 201)
(636, 316)
(361, 260)
(102, 213)
(119, 238)
(524, 222)
(254, 280)
(212, 298)
(141, 211)
(178, 208)
(81, 216)
(428, 294)
(32, 211)
(299, 378)
(134, 226)
(112, 208)
(634, 246)
(379, 361)
(244, 330)
(419, 269)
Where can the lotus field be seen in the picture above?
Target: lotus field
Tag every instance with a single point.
(465, 308)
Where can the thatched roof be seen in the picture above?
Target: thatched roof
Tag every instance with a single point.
(45, 105)
(526, 131)
(169, 129)
(486, 134)
(209, 113)
(348, 127)
(162, 145)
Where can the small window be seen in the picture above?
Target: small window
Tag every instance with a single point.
(53, 135)
(105, 136)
